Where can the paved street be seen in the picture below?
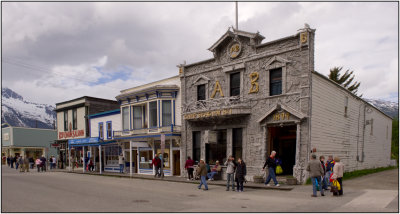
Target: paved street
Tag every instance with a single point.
(69, 192)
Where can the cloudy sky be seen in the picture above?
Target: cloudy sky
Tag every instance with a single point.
(57, 51)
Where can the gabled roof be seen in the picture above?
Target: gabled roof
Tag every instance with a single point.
(286, 108)
(231, 34)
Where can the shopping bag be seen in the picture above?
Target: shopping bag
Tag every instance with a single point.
(278, 170)
(336, 184)
(316, 184)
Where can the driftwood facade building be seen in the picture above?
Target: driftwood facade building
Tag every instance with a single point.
(252, 98)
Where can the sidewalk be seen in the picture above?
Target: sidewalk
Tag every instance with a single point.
(181, 180)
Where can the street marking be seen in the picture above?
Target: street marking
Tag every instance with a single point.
(373, 199)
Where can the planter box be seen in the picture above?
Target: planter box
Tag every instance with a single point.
(258, 179)
(291, 181)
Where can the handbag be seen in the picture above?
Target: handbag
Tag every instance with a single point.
(335, 186)
(279, 170)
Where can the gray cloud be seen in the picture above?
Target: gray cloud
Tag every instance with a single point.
(152, 38)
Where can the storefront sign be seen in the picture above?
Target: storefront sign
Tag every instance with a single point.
(6, 136)
(55, 145)
(71, 134)
(208, 114)
(83, 141)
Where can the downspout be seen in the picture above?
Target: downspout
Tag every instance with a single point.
(358, 131)
(363, 138)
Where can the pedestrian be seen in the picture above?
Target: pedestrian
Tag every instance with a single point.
(91, 166)
(54, 162)
(51, 162)
(8, 161)
(157, 165)
(230, 172)
(73, 161)
(26, 164)
(338, 170)
(97, 163)
(315, 169)
(323, 178)
(240, 174)
(121, 163)
(86, 163)
(16, 162)
(21, 164)
(43, 163)
(215, 170)
(189, 167)
(329, 168)
(31, 162)
(12, 160)
(202, 171)
(271, 164)
(38, 164)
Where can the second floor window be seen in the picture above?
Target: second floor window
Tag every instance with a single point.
(235, 84)
(201, 92)
(125, 118)
(101, 131)
(109, 130)
(153, 114)
(66, 120)
(74, 119)
(275, 84)
(166, 113)
(137, 117)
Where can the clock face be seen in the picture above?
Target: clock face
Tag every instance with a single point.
(234, 50)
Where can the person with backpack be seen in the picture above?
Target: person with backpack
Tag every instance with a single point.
(240, 174)
(316, 171)
(230, 172)
(271, 164)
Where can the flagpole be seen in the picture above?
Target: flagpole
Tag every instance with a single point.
(237, 25)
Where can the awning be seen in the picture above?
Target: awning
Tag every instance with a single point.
(89, 141)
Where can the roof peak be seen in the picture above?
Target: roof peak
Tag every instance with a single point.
(234, 33)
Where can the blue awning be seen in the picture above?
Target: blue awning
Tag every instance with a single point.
(89, 141)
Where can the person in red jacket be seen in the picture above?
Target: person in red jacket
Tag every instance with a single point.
(189, 167)
(157, 164)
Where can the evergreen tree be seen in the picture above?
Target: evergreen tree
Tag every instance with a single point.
(344, 80)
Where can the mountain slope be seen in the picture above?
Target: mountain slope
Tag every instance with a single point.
(390, 108)
(18, 112)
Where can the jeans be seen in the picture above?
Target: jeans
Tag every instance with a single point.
(31, 165)
(203, 181)
(38, 168)
(121, 168)
(239, 185)
(314, 185)
(190, 172)
(324, 182)
(230, 178)
(211, 175)
(271, 174)
(16, 165)
(157, 171)
(51, 166)
(12, 164)
(327, 176)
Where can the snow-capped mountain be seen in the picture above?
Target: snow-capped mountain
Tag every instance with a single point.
(390, 108)
(18, 112)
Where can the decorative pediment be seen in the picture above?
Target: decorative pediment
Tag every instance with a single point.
(257, 37)
(284, 113)
(275, 62)
(201, 80)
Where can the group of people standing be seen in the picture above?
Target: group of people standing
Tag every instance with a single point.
(324, 175)
(26, 163)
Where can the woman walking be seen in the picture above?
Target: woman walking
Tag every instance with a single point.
(338, 174)
(189, 167)
(38, 162)
(240, 174)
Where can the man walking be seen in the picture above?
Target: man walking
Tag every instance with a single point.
(12, 160)
(202, 171)
(157, 165)
(43, 161)
(230, 172)
(316, 171)
(271, 163)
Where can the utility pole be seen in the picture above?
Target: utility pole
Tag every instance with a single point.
(237, 25)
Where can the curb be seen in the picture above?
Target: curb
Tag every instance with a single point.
(284, 188)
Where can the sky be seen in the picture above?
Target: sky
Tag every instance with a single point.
(56, 51)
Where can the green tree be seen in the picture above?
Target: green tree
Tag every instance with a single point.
(395, 139)
(345, 80)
